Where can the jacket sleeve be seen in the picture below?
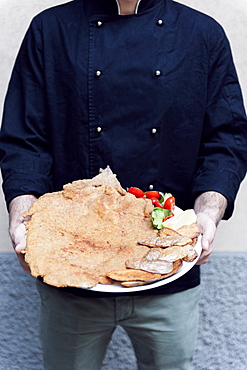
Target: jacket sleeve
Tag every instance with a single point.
(24, 139)
(222, 159)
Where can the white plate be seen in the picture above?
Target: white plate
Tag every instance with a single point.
(117, 288)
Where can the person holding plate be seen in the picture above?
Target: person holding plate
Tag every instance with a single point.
(149, 88)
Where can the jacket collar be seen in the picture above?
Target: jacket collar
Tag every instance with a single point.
(142, 5)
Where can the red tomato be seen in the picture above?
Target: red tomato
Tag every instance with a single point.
(156, 203)
(152, 194)
(138, 193)
(166, 218)
(169, 203)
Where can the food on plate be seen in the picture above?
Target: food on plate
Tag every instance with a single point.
(167, 231)
(145, 264)
(75, 236)
(192, 230)
(168, 201)
(138, 193)
(153, 194)
(171, 254)
(186, 217)
(129, 275)
(191, 253)
(160, 260)
(165, 241)
(164, 204)
(79, 236)
(132, 278)
(159, 216)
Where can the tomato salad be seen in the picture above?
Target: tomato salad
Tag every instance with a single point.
(164, 204)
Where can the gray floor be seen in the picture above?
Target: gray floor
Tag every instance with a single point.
(222, 338)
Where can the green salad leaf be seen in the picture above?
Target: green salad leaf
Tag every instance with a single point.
(158, 215)
(164, 197)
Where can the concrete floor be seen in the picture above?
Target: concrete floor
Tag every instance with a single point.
(222, 333)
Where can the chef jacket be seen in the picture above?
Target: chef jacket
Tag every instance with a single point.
(154, 95)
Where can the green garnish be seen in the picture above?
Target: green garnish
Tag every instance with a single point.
(158, 215)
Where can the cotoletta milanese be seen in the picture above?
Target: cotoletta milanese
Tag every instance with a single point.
(88, 233)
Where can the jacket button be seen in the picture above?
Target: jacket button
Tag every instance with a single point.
(151, 187)
(157, 73)
(99, 24)
(98, 73)
(154, 130)
(160, 22)
(99, 129)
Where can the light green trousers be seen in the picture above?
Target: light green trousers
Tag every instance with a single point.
(75, 331)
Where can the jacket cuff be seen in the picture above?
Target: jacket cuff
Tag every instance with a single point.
(222, 181)
(19, 185)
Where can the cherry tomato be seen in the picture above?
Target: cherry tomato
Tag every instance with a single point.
(156, 203)
(138, 193)
(167, 217)
(169, 203)
(152, 194)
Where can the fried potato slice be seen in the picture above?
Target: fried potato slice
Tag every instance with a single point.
(192, 231)
(186, 253)
(155, 266)
(167, 231)
(132, 275)
(176, 266)
(191, 253)
(130, 284)
(171, 254)
(165, 241)
(194, 241)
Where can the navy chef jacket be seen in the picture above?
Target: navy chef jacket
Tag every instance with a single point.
(154, 95)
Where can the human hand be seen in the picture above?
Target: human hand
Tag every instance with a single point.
(17, 229)
(208, 229)
(18, 238)
(209, 207)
